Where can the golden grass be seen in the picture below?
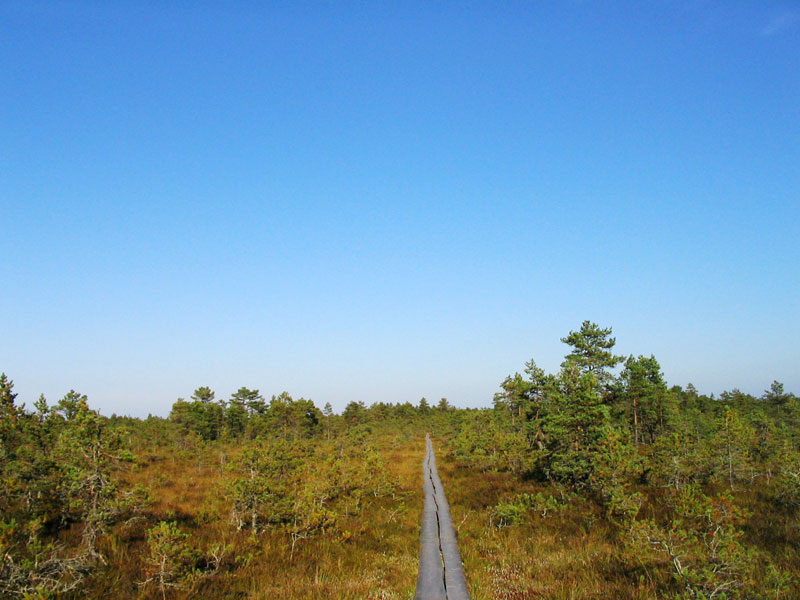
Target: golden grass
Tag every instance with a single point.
(373, 555)
(570, 555)
(574, 553)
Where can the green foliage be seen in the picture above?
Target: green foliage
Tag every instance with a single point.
(31, 567)
(203, 418)
(621, 443)
(776, 394)
(616, 465)
(424, 408)
(643, 399)
(235, 419)
(507, 514)
(787, 480)
(203, 394)
(170, 561)
(7, 395)
(309, 513)
(293, 418)
(486, 441)
(678, 460)
(591, 350)
(244, 402)
(247, 415)
(260, 495)
(87, 451)
(57, 472)
(252, 400)
(703, 544)
(355, 413)
(732, 447)
(574, 423)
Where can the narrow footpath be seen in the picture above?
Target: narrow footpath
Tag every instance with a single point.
(441, 574)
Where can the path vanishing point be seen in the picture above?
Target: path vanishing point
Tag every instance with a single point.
(441, 574)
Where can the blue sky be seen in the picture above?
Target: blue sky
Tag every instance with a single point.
(382, 201)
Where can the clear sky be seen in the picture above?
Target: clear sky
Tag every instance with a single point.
(380, 201)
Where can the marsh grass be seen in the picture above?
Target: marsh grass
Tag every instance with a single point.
(571, 554)
(372, 554)
(574, 552)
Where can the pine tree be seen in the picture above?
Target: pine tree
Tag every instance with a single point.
(574, 423)
(591, 350)
(644, 399)
(87, 451)
(250, 399)
(261, 493)
(7, 395)
(203, 394)
(732, 445)
(424, 408)
(170, 558)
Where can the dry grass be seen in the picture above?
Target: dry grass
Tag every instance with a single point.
(572, 554)
(373, 555)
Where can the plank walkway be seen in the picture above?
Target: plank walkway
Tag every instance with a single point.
(441, 574)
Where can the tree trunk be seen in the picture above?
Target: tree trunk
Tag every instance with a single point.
(730, 464)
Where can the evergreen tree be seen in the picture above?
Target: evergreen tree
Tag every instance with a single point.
(643, 398)
(574, 424)
(203, 394)
(7, 395)
(355, 413)
(732, 446)
(262, 492)
(591, 350)
(235, 419)
(206, 419)
(87, 452)
(170, 558)
(514, 397)
(293, 418)
(252, 400)
(775, 393)
(70, 405)
(424, 408)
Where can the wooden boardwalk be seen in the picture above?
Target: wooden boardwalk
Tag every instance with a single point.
(441, 574)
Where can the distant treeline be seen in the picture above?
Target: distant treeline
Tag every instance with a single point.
(247, 414)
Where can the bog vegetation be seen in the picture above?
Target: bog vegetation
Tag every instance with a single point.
(599, 481)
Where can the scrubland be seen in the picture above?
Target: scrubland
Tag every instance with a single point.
(586, 483)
